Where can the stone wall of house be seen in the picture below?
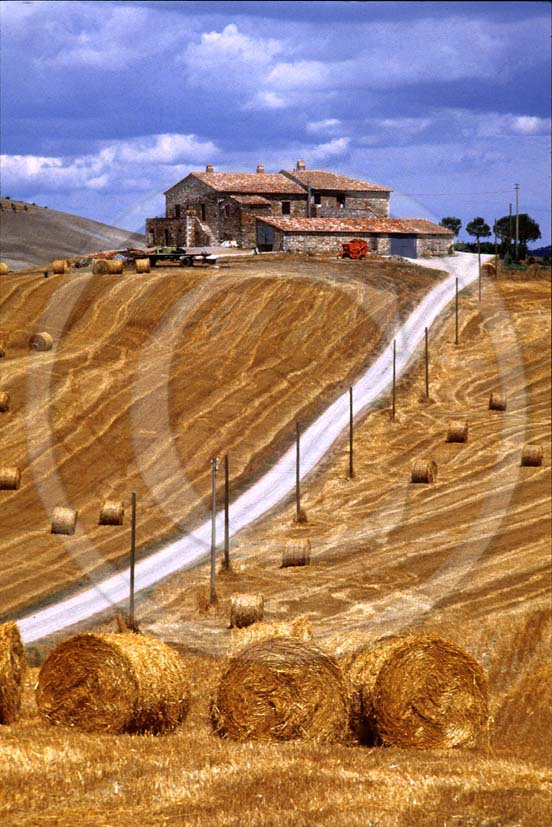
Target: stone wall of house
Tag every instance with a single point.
(436, 245)
(326, 242)
(167, 232)
(356, 205)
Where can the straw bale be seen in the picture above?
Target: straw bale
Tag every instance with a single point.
(64, 520)
(299, 628)
(12, 671)
(100, 267)
(114, 683)
(497, 402)
(10, 477)
(296, 553)
(490, 267)
(531, 455)
(457, 431)
(246, 609)
(142, 265)
(280, 690)
(4, 269)
(4, 401)
(421, 692)
(41, 342)
(2, 348)
(115, 266)
(112, 512)
(424, 471)
(59, 266)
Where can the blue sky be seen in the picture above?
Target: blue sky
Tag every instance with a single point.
(106, 104)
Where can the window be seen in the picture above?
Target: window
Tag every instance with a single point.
(226, 210)
(286, 207)
(202, 209)
(317, 199)
(177, 209)
(340, 200)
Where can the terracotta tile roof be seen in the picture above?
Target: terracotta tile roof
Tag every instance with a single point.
(321, 180)
(248, 200)
(250, 182)
(418, 226)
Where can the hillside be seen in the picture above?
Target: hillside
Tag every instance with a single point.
(31, 235)
(151, 376)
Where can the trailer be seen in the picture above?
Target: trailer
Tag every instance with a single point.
(185, 257)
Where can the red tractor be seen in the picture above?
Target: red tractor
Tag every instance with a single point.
(356, 248)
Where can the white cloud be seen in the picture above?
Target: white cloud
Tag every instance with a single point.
(325, 125)
(530, 125)
(329, 150)
(267, 100)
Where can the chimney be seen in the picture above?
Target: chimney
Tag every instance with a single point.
(209, 168)
(300, 166)
(260, 168)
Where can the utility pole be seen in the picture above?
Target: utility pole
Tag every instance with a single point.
(394, 375)
(456, 313)
(479, 265)
(426, 365)
(517, 220)
(226, 514)
(297, 474)
(214, 465)
(351, 470)
(132, 557)
(496, 249)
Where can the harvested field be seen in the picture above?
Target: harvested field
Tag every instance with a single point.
(146, 384)
(465, 559)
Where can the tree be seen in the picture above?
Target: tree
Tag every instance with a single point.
(529, 230)
(478, 228)
(451, 223)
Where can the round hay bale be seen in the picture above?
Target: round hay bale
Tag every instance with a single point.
(115, 266)
(424, 471)
(299, 627)
(142, 265)
(59, 266)
(10, 478)
(246, 609)
(497, 402)
(280, 690)
(4, 269)
(429, 694)
(100, 267)
(114, 683)
(112, 512)
(68, 265)
(41, 342)
(64, 520)
(296, 553)
(457, 431)
(2, 348)
(490, 267)
(12, 671)
(531, 455)
(4, 401)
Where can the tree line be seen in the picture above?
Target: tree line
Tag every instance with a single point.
(504, 229)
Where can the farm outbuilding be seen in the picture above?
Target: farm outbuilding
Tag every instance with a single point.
(408, 237)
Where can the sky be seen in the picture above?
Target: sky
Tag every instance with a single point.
(104, 105)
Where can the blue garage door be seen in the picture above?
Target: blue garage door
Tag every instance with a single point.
(403, 245)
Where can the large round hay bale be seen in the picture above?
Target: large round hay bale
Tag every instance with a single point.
(497, 402)
(246, 609)
(41, 342)
(64, 520)
(299, 627)
(10, 478)
(12, 670)
(112, 512)
(2, 348)
(4, 401)
(59, 266)
(142, 265)
(531, 455)
(115, 266)
(280, 690)
(424, 471)
(100, 267)
(423, 692)
(489, 267)
(114, 683)
(4, 269)
(296, 553)
(457, 431)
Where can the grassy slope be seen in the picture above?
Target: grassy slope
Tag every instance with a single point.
(37, 235)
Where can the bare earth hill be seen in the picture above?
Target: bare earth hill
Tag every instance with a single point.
(31, 235)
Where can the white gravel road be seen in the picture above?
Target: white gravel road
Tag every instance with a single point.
(278, 482)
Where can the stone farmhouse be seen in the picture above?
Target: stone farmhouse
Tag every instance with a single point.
(292, 210)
